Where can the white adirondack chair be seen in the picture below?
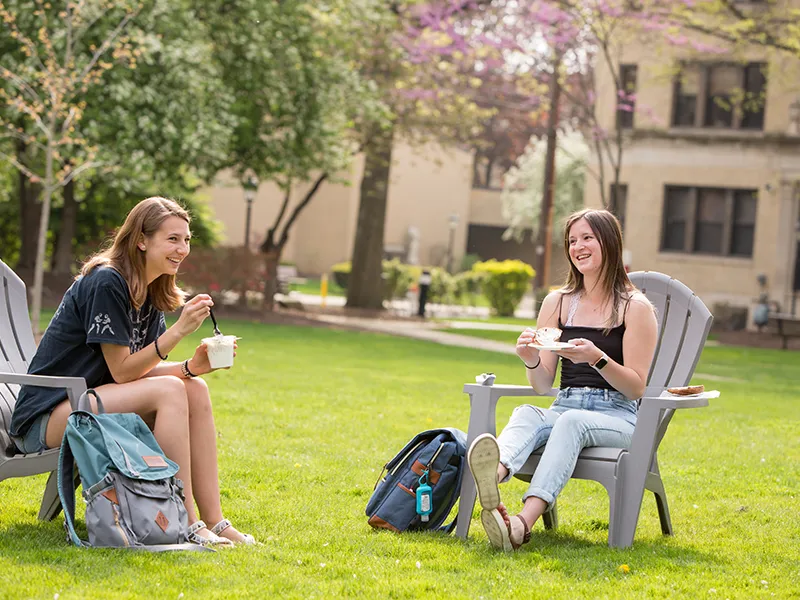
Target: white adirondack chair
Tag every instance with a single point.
(683, 326)
(17, 347)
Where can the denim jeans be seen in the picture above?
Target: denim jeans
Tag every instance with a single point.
(579, 418)
(34, 439)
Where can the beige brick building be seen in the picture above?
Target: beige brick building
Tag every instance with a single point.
(430, 193)
(711, 194)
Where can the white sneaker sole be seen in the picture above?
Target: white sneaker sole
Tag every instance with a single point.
(483, 458)
(496, 530)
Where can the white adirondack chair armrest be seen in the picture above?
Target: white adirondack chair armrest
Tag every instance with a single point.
(674, 402)
(75, 386)
(503, 389)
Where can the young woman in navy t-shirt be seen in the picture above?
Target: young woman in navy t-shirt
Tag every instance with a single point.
(110, 330)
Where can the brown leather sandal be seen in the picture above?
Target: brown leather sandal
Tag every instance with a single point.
(526, 535)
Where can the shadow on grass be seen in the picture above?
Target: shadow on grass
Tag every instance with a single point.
(576, 555)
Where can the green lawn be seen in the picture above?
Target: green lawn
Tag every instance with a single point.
(523, 323)
(312, 286)
(487, 334)
(306, 419)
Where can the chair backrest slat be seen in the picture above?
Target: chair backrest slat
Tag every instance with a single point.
(17, 345)
(16, 338)
(683, 326)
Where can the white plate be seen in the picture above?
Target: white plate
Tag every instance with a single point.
(710, 394)
(553, 346)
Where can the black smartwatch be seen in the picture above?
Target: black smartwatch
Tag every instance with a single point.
(600, 362)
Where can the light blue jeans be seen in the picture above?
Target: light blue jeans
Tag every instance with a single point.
(579, 418)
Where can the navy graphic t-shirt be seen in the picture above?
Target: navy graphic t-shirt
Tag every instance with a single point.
(95, 310)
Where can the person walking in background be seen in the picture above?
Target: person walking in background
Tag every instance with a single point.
(611, 329)
(110, 330)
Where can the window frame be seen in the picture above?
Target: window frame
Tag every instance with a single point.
(704, 96)
(690, 226)
(628, 77)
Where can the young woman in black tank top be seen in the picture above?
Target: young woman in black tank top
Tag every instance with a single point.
(612, 329)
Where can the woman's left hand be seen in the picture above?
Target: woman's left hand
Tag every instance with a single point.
(584, 351)
(199, 364)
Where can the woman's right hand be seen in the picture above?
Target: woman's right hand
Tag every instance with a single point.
(528, 355)
(194, 313)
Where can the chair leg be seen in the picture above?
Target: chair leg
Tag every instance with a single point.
(466, 503)
(550, 517)
(655, 485)
(51, 503)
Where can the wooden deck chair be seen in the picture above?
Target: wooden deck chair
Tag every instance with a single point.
(683, 326)
(17, 347)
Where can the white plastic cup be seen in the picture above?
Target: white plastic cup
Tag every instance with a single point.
(220, 350)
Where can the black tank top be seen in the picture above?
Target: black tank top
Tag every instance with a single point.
(581, 374)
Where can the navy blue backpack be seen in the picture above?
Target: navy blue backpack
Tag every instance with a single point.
(436, 458)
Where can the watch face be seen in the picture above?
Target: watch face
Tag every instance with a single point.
(600, 363)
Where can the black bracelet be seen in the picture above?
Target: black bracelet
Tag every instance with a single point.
(158, 352)
(185, 369)
(538, 362)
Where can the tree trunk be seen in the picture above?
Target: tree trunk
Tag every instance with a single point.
(29, 215)
(63, 258)
(545, 241)
(365, 287)
(272, 258)
(44, 219)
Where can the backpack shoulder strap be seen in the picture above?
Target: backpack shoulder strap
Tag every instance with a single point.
(66, 491)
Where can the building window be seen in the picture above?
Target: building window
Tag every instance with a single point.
(618, 194)
(723, 95)
(709, 220)
(626, 96)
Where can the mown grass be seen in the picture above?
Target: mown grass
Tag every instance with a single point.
(487, 334)
(495, 320)
(312, 286)
(306, 419)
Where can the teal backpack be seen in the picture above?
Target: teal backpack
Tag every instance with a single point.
(133, 499)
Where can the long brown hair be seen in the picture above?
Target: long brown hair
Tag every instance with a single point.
(613, 277)
(124, 255)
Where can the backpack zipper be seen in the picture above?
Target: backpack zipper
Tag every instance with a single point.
(409, 453)
(119, 526)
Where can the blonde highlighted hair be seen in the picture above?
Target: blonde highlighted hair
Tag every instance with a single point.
(124, 255)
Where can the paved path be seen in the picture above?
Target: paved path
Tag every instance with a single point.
(420, 330)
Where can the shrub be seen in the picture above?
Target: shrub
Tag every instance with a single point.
(504, 283)
(443, 286)
(216, 270)
(468, 261)
(396, 275)
(397, 278)
(467, 286)
(341, 273)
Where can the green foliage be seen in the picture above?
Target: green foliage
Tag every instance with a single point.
(468, 285)
(505, 283)
(524, 183)
(397, 278)
(214, 271)
(468, 261)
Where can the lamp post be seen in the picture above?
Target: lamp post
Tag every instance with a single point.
(453, 224)
(250, 187)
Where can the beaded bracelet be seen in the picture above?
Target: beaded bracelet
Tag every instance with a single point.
(185, 370)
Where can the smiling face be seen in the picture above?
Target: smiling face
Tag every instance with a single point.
(585, 251)
(166, 248)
